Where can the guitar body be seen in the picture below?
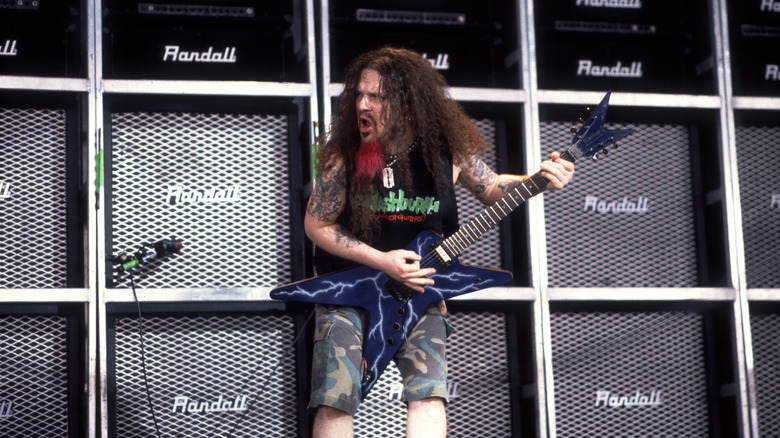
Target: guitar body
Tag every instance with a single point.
(390, 319)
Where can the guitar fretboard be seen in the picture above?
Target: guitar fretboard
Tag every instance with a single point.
(483, 222)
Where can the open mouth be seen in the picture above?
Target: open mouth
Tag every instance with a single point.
(366, 125)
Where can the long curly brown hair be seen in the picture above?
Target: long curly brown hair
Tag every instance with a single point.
(415, 98)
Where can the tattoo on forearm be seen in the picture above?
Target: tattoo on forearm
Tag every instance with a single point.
(326, 201)
(345, 238)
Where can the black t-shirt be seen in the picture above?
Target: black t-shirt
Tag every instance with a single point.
(404, 211)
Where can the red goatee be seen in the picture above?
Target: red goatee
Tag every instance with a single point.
(369, 161)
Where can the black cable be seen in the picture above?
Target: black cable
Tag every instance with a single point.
(143, 355)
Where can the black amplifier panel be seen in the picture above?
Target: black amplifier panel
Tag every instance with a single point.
(41, 38)
(754, 27)
(246, 40)
(632, 45)
(471, 44)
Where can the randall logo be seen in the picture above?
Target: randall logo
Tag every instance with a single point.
(774, 204)
(441, 62)
(586, 68)
(623, 4)
(178, 195)
(6, 409)
(606, 398)
(5, 190)
(772, 72)
(592, 203)
(396, 391)
(175, 54)
(770, 6)
(8, 48)
(184, 405)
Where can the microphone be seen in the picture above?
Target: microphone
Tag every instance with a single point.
(159, 249)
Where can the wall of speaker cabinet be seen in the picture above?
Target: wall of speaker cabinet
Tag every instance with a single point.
(645, 295)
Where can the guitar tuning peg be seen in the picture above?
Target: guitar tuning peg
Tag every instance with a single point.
(615, 145)
(595, 157)
(573, 130)
(587, 108)
(605, 151)
(580, 120)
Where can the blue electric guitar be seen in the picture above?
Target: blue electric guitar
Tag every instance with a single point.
(393, 308)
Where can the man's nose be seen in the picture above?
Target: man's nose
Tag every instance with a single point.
(364, 103)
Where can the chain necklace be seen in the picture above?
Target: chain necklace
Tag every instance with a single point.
(387, 175)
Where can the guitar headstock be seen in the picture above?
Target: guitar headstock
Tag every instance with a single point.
(592, 139)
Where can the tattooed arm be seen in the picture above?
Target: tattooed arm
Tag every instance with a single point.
(327, 202)
(489, 187)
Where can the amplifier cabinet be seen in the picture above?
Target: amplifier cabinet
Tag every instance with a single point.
(226, 182)
(471, 44)
(764, 327)
(209, 373)
(41, 38)
(639, 216)
(42, 217)
(759, 185)
(661, 46)
(247, 40)
(754, 32)
(42, 386)
(655, 369)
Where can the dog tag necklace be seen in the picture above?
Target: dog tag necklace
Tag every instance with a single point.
(387, 174)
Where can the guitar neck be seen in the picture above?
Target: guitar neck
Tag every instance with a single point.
(485, 221)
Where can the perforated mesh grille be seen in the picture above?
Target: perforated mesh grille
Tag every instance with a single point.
(242, 242)
(34, 379)
(487, 250)
(630, 355)
(478, 383)
(33, 250)
(759, 181)
(653, 248)
(766, 357)
(206, 359)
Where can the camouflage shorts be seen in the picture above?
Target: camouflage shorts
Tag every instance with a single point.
(337, 363)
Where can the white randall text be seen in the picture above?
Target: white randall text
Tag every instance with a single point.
(184, 405)
(592, 203)
(606, 398)
(622, 4)
(175, 54)
(772, 72)
(5, 189)
(8, 48)
(586, 68)
(441, 62)
(177, 195)
(6, 409)
(770, 6)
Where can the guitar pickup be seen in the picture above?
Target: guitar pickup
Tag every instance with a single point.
(440, 255)
(399, 291)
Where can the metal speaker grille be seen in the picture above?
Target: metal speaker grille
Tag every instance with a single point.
(759, 182)
(242, 240)
(592, 245)
(478, 385)
(659, 356)
(766, 357)
(34, 380)
(33, 251)
(207, 362)
(487, 250)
